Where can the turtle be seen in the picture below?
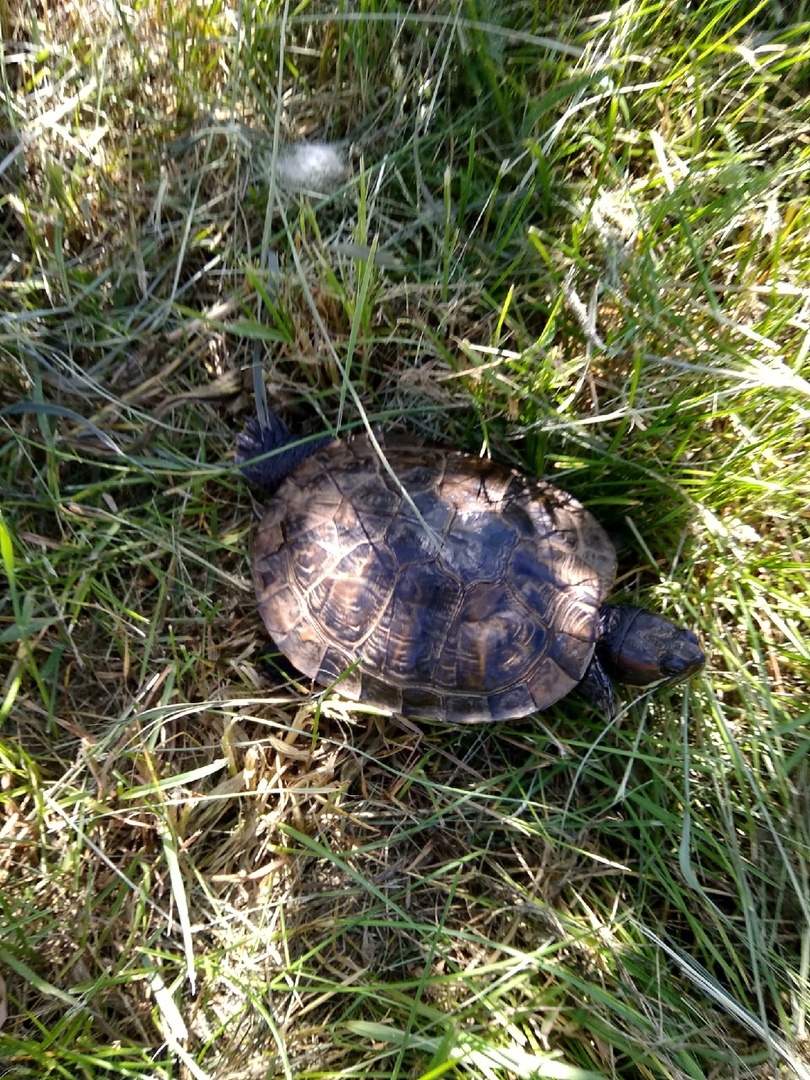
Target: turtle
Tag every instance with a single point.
(435, 584)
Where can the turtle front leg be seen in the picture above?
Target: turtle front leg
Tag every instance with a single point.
(597, 688)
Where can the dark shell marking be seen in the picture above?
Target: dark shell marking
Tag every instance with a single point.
(490, 613)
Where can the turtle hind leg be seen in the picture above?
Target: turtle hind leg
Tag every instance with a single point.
(597, 688)
(275, 440)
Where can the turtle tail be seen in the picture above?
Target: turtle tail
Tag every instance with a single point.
(266, 453)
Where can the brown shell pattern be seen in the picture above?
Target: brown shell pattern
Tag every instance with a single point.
(485, 609)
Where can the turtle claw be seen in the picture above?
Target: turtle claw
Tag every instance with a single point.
(597, 689)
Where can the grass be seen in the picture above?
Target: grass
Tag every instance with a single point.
(572, 237)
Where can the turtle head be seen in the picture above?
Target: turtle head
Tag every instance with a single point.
(639, 648)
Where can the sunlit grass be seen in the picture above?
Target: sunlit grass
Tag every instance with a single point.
(573, 239)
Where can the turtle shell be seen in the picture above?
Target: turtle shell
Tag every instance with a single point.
(455, 589)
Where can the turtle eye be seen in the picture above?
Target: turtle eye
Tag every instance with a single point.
(682, 664)
(674, 666)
